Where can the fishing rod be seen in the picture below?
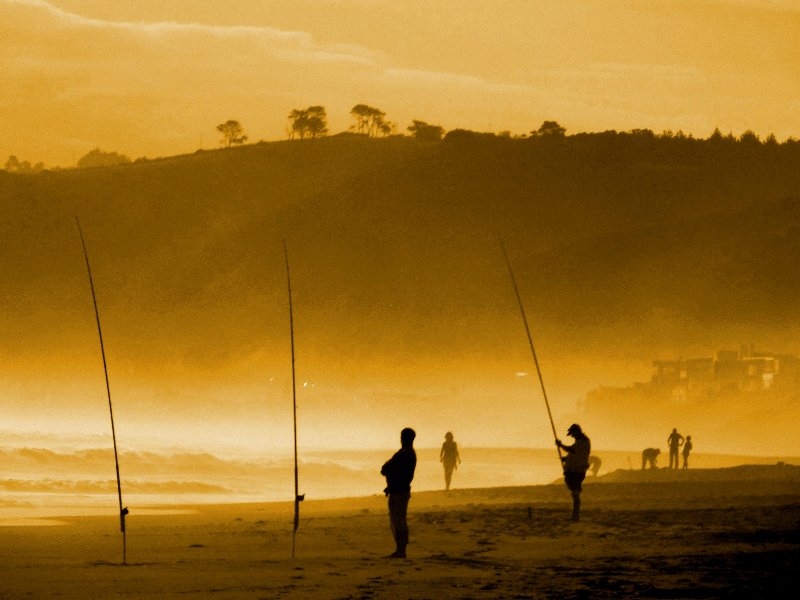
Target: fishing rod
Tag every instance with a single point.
(123, 512)
(298, 498)
(530, 341)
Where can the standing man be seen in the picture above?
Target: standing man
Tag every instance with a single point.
(576, 462)
(450, 458)
(675, 441)
(399, 472)
(687, 448)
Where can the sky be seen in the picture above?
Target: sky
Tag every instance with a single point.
(154, 78)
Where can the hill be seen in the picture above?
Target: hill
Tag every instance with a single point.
(626, 247)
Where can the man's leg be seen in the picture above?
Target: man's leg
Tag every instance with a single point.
(398, 507)
(573, 481)
(576, 505)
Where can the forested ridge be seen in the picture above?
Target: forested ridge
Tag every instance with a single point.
(395, 241)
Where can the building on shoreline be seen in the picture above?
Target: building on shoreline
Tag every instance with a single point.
(728, 375)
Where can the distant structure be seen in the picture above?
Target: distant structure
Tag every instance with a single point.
(728, 374)
(744, 370)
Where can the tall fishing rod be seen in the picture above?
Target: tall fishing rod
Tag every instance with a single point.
(122, 511)
(298, 498)
(530, 341)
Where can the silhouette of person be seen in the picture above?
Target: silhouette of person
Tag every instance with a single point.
(399, 472)
(594, 464)
(450, 458)
(687, 448)
(576, 463)
(650, 455)
(675, 441)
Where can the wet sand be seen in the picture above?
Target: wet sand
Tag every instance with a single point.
(657, 534)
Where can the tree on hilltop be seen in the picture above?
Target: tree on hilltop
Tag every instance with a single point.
(549, 129)
(425, 132)
(98, 158)
(309, 123)
(13, 165)
(750, 138)
(232, 133)
(370, 121)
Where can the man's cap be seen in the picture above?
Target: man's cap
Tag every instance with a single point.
(574, 428)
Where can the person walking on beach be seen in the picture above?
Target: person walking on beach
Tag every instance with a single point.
(576, 463)
(650, 455)
(594, 464)
(675, 441)
(399, 472)
(687, 448)
(450, 458)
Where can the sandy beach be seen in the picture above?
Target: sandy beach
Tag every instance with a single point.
(706, 533)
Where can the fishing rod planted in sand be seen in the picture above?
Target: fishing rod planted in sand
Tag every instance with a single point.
(298, 498)
(530, 341)
(122, 511)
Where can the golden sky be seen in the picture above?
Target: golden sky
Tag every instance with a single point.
(154, 78)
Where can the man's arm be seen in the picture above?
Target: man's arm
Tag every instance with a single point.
(565, 447)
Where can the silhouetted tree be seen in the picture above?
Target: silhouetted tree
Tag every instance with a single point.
(98, 158)
(459, 136)
(643, 133)
(749, 137)
(715, 137)
(425, 132)
(232, 133)
(311, 122)
(361, 113)
(12, 164)
(370, 121)
(549, 129)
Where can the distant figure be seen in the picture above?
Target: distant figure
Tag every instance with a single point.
(594, 464)
(675, 441)
(687, 448)
(576, 463)
(650, 455)
(450, 458)
(399, 472)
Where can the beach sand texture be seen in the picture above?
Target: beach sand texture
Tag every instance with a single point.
(656, 534)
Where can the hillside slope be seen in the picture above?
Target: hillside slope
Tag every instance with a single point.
(624, 249)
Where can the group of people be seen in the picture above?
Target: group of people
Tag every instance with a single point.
(675, 441)
(399, 473)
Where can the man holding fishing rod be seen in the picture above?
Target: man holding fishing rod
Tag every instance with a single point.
(576, 463)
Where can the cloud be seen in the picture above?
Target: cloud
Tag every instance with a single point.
(455, 80)
(287, 44)
(789, 6)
